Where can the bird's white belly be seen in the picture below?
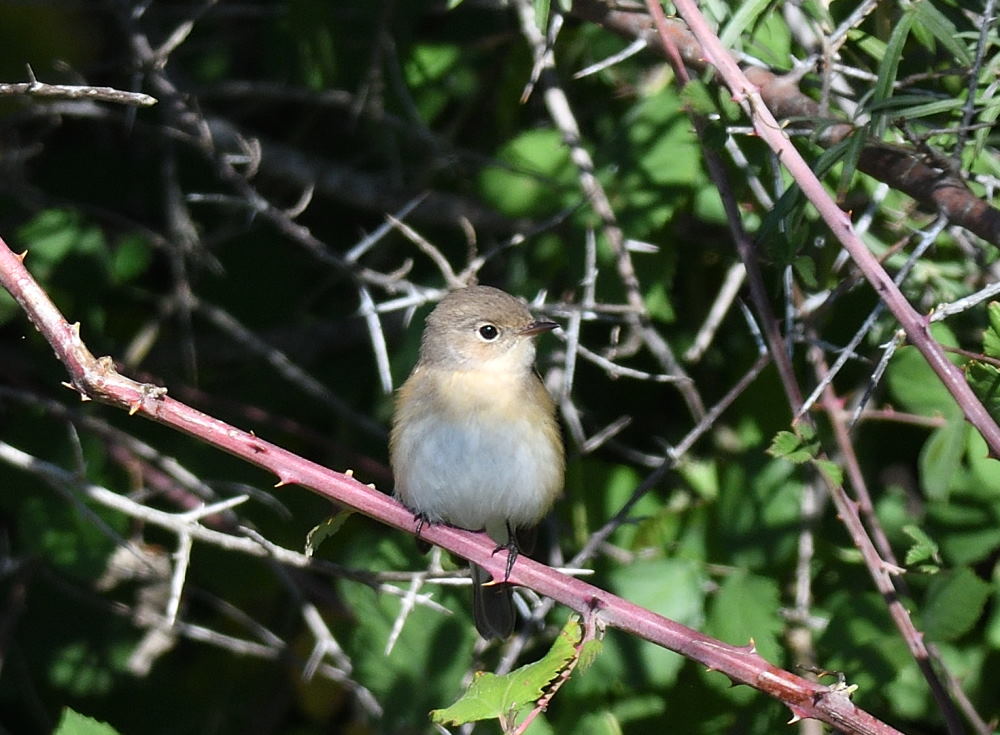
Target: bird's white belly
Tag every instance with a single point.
(478, 474)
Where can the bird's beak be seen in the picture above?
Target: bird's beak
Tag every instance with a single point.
(537, 327)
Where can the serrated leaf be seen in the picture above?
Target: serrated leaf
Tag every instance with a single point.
(954, 603)
(831, 470)
(991, 335)
(790, 447)
(985, 381)
(589, 652)
(324, 530)
(73, 723)
(923, 547)
(746, 608)
(491, 696)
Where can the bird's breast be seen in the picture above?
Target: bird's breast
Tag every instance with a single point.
(476, 449)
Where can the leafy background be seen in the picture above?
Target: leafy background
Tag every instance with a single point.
(170, 234)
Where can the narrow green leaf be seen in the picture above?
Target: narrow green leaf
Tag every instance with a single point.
(902, 100)
(989, 114)
(889, 66)
(942, 29)
(746, 16)
(542, 9)
(927, 109)
(855, 144)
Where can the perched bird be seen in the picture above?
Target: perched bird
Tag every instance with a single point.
(474, 439)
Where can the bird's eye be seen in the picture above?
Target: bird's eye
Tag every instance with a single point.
(489, 332)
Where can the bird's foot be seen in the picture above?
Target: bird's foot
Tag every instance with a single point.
(513, 551)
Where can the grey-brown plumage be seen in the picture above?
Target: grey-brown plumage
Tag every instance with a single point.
(474, 441)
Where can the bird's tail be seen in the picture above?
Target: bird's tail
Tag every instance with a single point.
(492, 605)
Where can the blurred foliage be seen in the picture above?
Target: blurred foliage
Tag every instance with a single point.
(134, 228)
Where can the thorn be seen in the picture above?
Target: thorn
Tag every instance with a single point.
(798, 714)
(371, 485)
(133, 408)
(281, 483)
(348, 473)
(75, 328)
(21, 256)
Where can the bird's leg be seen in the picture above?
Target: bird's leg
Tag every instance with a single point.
(422, 520)
(512, 551)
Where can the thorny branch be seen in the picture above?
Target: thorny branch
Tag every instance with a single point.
(97, 379)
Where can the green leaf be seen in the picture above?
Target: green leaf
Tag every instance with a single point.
(991, 335)
(73, 723)
(792, 448)
(697, 99)
(984, 470)
(746, 608)
(954, 603)
(672, 587)
(915, 385)
(528, 183)
(985, 381)
(889, 67)
(491, 696)
(928, 108)
(832, 470)
(324, 530)
(130, 258)
(745, 16)
(805, 268)
(923, 547)
(941, 458)
(542, 9)
(942, 29)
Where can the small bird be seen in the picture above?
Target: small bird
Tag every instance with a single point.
(474, 440)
